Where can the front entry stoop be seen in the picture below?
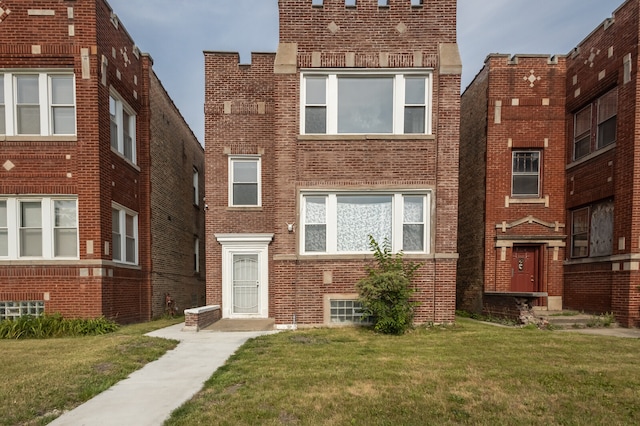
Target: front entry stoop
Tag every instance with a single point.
(239, 324)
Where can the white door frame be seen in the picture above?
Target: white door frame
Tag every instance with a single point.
(245, 244)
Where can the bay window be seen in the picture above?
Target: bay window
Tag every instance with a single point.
(37, 104)
(341, 223)
(45, 228)
(366, 103)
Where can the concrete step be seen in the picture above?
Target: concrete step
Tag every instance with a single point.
(249, 324)
(573, 319)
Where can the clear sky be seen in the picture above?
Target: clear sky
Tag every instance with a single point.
(176, 32)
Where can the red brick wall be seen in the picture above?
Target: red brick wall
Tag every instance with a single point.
(175, 219)
(291, 164)
(83, 165)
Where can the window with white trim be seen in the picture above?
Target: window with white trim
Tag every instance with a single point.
(38, 228)
(366, 102)
(245, 181)
(37, 103)
(594, 126)
(124, 235)
(123, 127)
(196, 185)
(341, 223)
(525, 177)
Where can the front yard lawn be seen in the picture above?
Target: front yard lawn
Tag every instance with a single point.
(470, 373)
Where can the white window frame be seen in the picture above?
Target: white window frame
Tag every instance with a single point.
(399, 104)
(122, 107)
(3, 119)
(245, 158)
(331, 205)
(123, 212)
(514, 173)
(45, 101)
(196, 187)
(47, 211)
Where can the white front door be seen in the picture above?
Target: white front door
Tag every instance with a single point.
(246, 284)
(245, 275)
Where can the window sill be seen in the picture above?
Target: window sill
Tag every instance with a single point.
(244, 209)
(35, 138)
(364, 256)
(508, 201)
(591, 156)
(129, 162)
(363, 137)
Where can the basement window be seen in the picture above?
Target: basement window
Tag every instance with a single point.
(10, 310)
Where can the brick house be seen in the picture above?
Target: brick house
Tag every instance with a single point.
(98, 170)
(350, 129)
(557, 119)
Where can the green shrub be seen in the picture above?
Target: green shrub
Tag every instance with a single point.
(386, 292)
(48, 326)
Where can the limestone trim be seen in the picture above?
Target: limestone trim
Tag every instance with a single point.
(385, 136)
(286, 59)
(509, 200)
(348, 257)
(529, 220)
(450, 62)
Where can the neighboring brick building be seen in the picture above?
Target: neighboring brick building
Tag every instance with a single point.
(83, 123)
(350, 129)
(566, 109)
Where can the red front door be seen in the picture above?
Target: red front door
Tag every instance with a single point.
(524, 269)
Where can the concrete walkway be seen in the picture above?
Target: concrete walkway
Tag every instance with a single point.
(149, 395)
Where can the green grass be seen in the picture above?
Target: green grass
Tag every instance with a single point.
(42, 378)
(471, 373)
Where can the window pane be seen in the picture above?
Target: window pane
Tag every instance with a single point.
(607, 132)
(315, 119)
(525, 185)
(315, 210)
(3, 213)
(413, 209)
(65, 242)
(64, 122)
(414, 91)
(130, 226)
(581, 148)
(28, 119)
(580, 233)
(31, 242)
(1, 89)
(4, 242)
(31, 214)
(65, 213)
(413, 237)
(361, 216)
(3, 126)
(315, 238)
(131, 250)
(245, 171)
(115, 235)
(607, 106)
(582, 122)
(316, 90)
(414, 119)
(62, 90)
(365, 105)
(245, 194)
(27, 89)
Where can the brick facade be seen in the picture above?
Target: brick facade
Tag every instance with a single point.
(532, 103)
(254, 110)
(85, 39)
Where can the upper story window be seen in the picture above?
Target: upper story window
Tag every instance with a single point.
(37, 104)
(594, 126)
(196, 186)
(366, 103)
(123, 127)
(245, 181)
(124, 235)
(340, 223)
(525, 177)
(44, 228)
